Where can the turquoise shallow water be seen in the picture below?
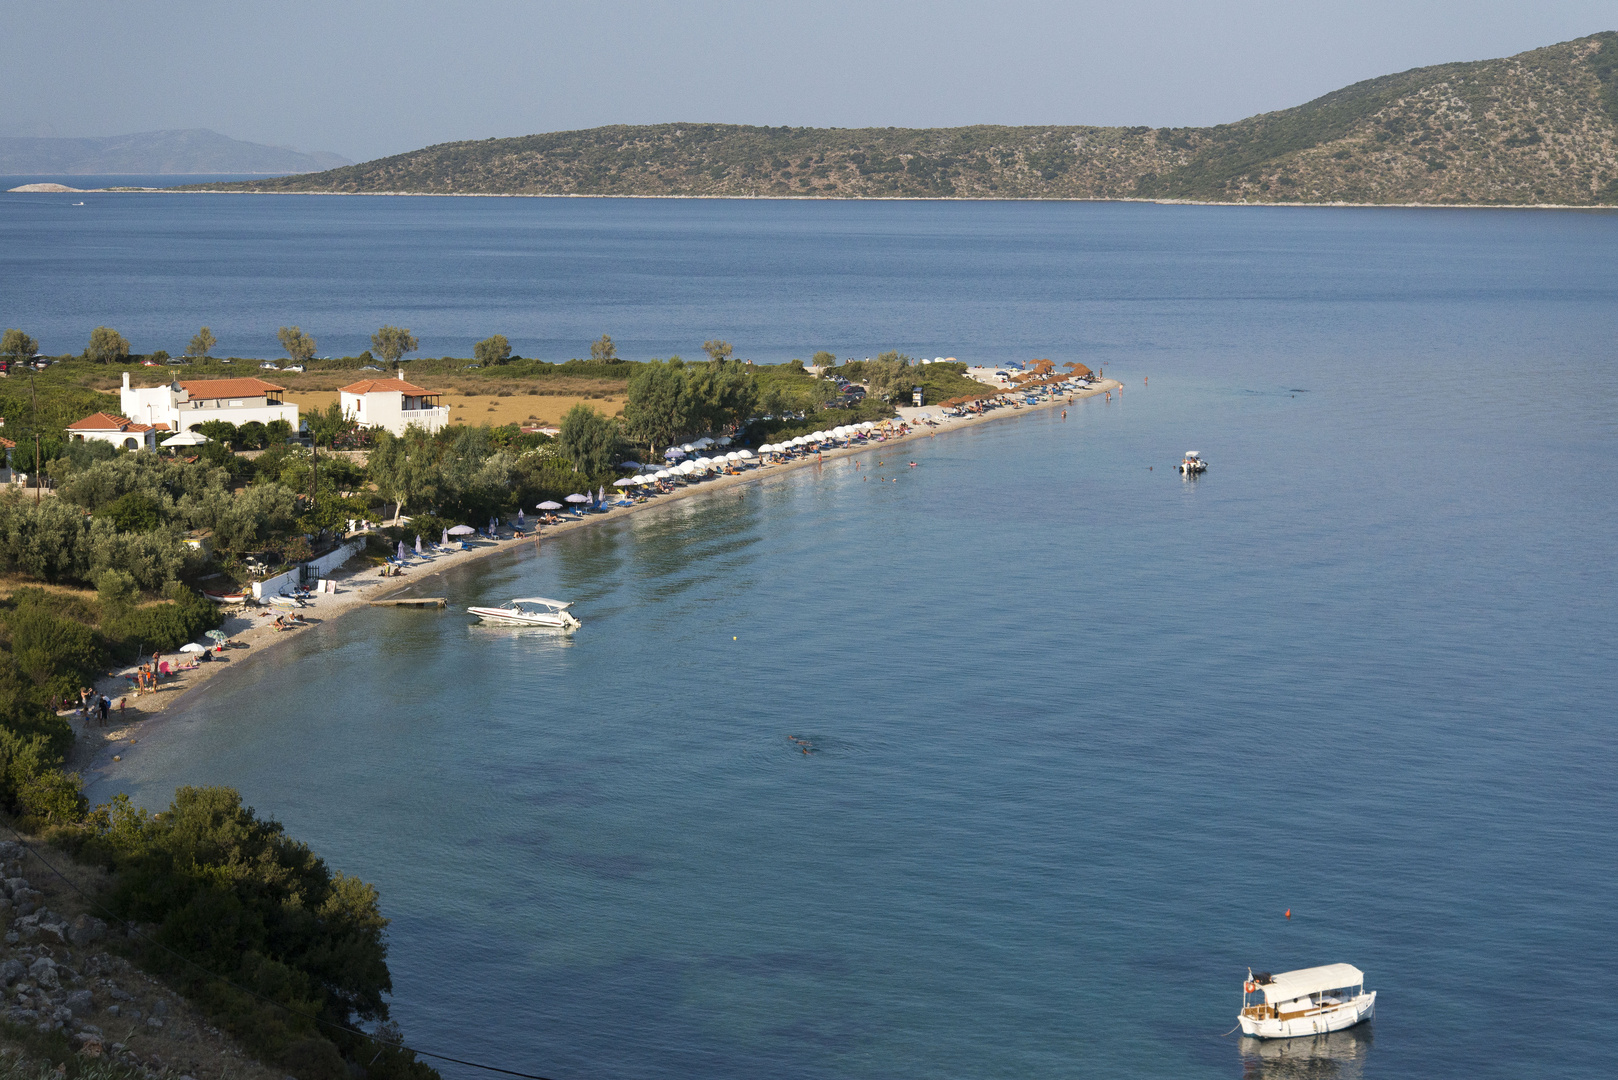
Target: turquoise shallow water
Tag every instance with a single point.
(1083, 730)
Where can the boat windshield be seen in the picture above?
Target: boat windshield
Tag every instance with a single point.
(554, 605)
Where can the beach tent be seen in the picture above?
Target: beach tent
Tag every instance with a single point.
(549, 506)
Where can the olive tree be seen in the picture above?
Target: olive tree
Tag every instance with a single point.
(106, 346)
(18, 347)
(299, 345)
(717, 350)
(492, 351)
(588, 439)
(392, 342)
(202, 342)
(603, 351)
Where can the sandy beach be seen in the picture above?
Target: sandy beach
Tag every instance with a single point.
(99, 749)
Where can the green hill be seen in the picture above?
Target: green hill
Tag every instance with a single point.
(1540, 128)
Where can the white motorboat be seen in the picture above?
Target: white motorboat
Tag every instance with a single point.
(1309, 1001)
(530, 611)
(1193, 463)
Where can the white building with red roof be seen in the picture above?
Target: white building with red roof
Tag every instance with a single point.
(394, 404)
(184, 405)
(120, 431)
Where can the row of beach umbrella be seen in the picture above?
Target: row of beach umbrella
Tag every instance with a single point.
(848, 431)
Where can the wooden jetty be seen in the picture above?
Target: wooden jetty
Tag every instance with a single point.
(412, 601)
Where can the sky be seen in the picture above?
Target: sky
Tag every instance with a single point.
(367, 78)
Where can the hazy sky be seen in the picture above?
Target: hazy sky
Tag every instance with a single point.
(367, 78)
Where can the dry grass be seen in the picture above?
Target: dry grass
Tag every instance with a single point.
(488, 407)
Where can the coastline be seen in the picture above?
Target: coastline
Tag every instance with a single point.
(99, 750)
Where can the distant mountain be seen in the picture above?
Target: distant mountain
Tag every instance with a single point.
(154, 153)
(1540, 127)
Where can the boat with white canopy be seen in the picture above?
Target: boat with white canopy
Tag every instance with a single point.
(1193, 463)
(530, 611)
(1309, 1001)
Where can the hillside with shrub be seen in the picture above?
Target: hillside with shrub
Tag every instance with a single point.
(1540, 127)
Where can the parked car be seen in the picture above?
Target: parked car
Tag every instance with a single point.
(370, 367)
(174, 361)
(293, 367)
(225, 360)
(269, 365)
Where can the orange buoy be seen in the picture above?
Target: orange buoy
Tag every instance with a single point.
(1289, 913)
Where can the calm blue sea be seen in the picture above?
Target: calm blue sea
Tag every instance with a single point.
(1082, 730)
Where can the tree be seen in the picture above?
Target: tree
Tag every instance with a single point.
(18, 347)
(603, 351)
(201, 343)
(657, 405)
(717, 350)
(588, 439)
(392, 342)
(106, 346)
(719, 395)
(404, 467)
(299, 345)
(493, 351)
(824, 360)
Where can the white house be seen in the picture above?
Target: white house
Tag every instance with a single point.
(393, 404)
(117, 430)
(184, 405)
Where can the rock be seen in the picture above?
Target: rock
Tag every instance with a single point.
(11, 971)
(153, 1022)
(87, 929)
(13, 884)
(90, 1045)
(54, 932)
(80, 1002)
(112, 1010)
(43, 972)
(160, 1007)
(120, 995)
(10, 849)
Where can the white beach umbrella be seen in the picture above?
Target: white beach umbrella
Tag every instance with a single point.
(628, 481)
(193, 647)
(185, 438)
(723, 440)
(629, 465)
(542, 506)
(734, 455)
(703, 442)
(689, 447)
(467, 530)
(577, 498)
(744, 454)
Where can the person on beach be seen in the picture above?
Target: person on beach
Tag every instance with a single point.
(106, 708)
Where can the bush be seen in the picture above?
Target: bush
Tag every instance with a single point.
(232, 893)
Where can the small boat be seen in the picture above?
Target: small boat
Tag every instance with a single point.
(1193, 463)
(1309, 1001)
(529, 611)
(226, 598)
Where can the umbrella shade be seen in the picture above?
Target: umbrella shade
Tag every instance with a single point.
(193, 647)
(577, 498)
(185, 438)
(627, 481)
(549, 506)
(463, 530)
(217, 635)
(744, 454)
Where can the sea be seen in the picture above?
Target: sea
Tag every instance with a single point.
(1011, 752)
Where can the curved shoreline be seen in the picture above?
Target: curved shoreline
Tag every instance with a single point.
(94, 748)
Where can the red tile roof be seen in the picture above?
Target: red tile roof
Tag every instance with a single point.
(7, 444)
(387, 386)
(213, 389)
(107, 422)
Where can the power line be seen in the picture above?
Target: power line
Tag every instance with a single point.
(133, 930)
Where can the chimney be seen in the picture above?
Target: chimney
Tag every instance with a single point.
(126, 380)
